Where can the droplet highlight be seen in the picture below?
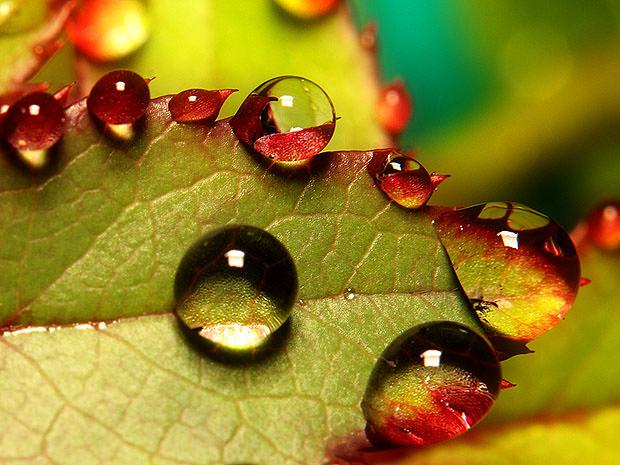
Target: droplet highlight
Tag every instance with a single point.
(198, 105)
(394, 107)
(604, 225)
(108, 30)
(286, 119)
(518, 267)
(432, 383)
(402, 178)
(349, 294)
(32, 125)
(119, 100)
(307, 9)
(235, 287)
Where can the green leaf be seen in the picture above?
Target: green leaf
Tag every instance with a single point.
(100, 239)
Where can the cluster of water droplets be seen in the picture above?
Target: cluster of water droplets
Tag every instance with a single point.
(237, 286)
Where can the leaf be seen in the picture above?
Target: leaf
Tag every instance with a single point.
(23, 53)
(100, 237)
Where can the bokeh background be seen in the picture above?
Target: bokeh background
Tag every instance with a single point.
(519, 100)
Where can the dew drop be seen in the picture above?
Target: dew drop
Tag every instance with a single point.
(108, 30)
(286, 119)
(235, 287)
(394, 107)
(432, 383)
(307, 9)
(402, 178)
(604, 225)
(198, 105)
(518, 267)
(32, 125)
(119, 99)
(349, 294)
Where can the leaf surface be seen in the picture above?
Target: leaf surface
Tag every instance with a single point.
(99, 238)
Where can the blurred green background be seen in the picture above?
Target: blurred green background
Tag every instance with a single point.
(518, 100)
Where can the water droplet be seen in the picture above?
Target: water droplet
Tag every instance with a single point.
(119, 100)
(518, 267)
(286, 119)
(32, 125)
(107, 30)
(198, 105)
(368, 36)
(394, 107)
(349, 294)
(21, 16)
(307, 9)
(235, 287)
(402, 178)
(432, 383)
(604, 225)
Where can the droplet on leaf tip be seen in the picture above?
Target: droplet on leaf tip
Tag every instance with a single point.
(402, 178)
(31, 126)
(235, 287)
(603, 225)
(517, 266)
(198, 105)
(108, 30)
(119, 100)
(432, 383)
(286, 119)
(394, 107)
(307, 9)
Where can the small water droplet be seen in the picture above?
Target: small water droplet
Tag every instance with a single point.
(32, 125)
(21, 16)
(401, 177)
(518, 267)
(604, 225)
(120, 98)
(288, 118)
(108, 30)
(307, 9)
(368, 36)
(198, 105)
(445, 380)
(394, 107)
(235, 287)
(349, 294)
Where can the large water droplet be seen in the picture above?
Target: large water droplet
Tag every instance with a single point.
(394, 107)
(402, 178)
(32, 125)
(21, 15)
(604, 225)
(119, 100)
(286, 119)
(307, 9)
(517, 266)
(198, 105)
(432, 383)
(235, 287)
(107, 30)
